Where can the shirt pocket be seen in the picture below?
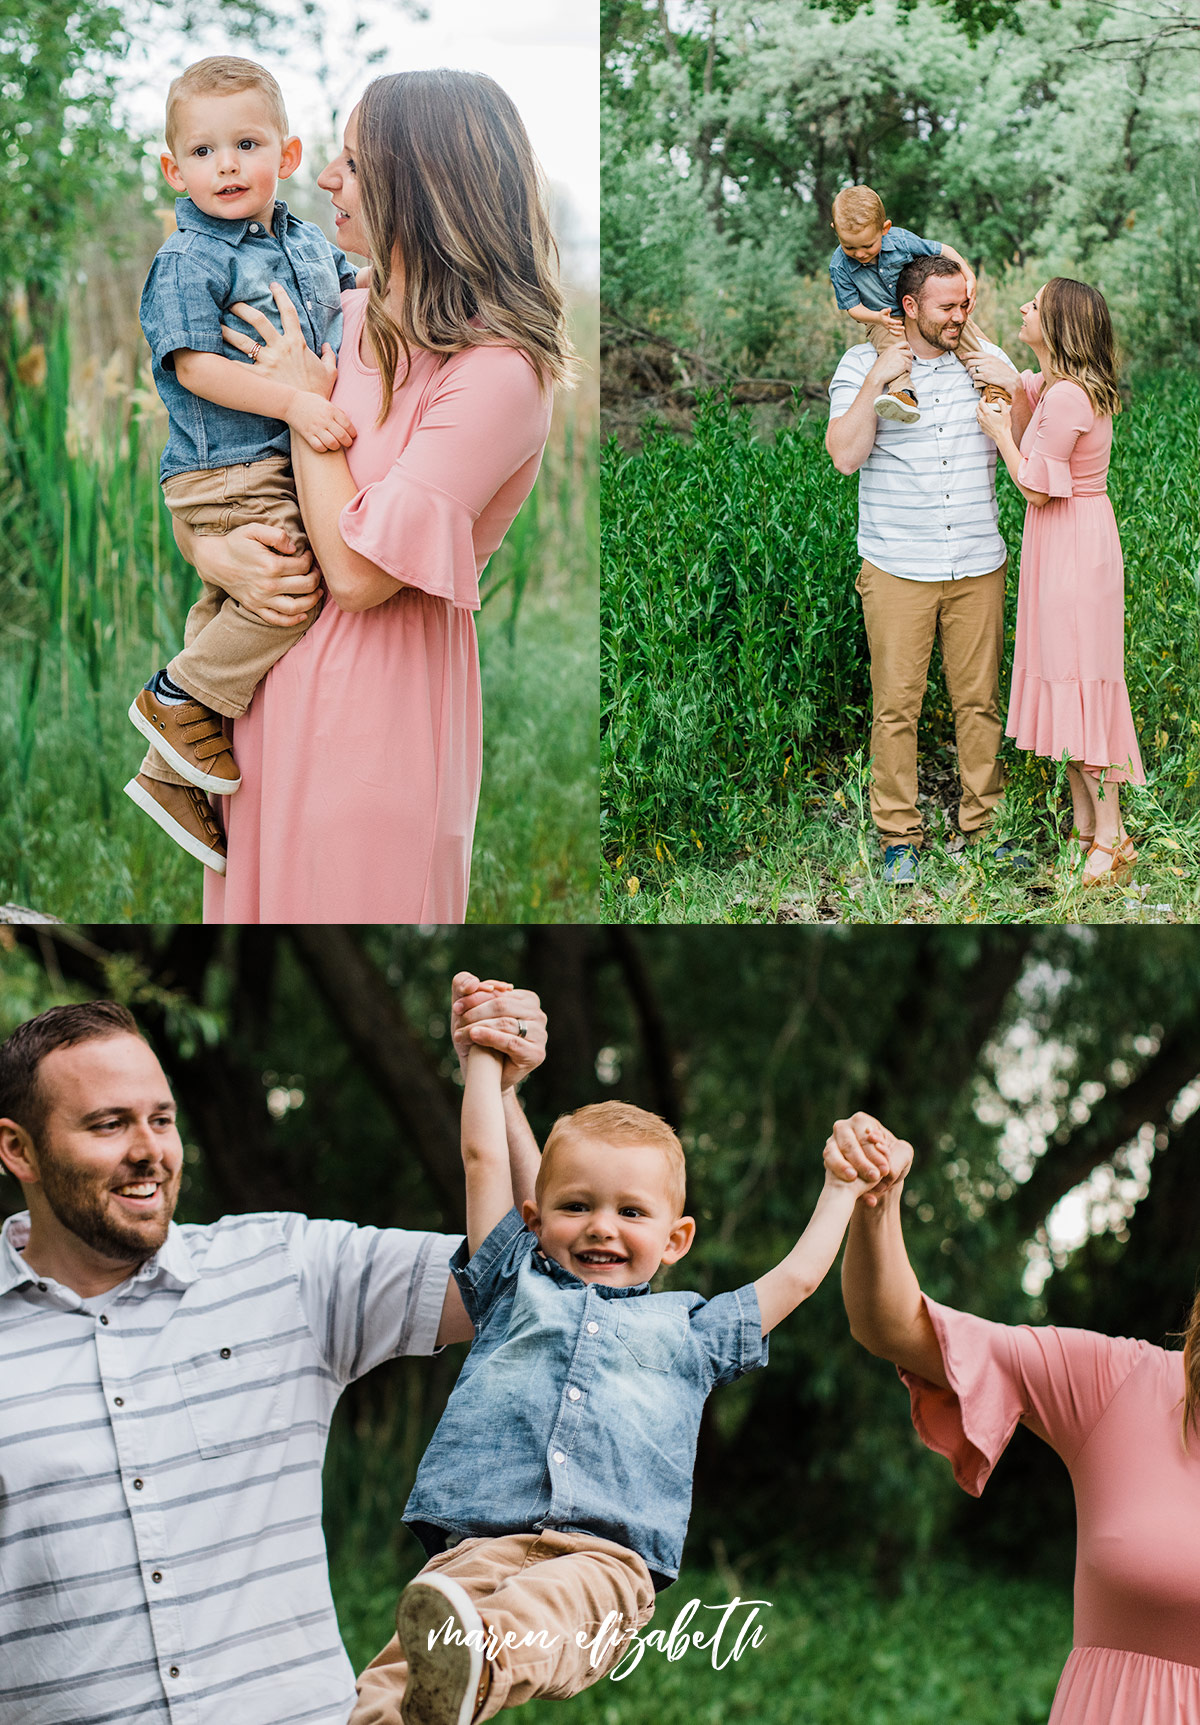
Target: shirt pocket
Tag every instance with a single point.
(234, 1399)
(654, 1339)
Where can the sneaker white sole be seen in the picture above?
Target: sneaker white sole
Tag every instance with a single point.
(185, 840)
(443, 1676)
(888, 407)
(202, 781)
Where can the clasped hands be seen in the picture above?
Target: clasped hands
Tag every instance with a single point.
(862, 1149)
(286, 357)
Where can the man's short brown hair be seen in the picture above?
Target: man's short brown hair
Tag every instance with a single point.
(858, 210)
(619, 1123)
(224, 75)
(21, 1098)
(917, 271)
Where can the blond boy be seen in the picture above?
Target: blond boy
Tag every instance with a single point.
(864, 268)
(554, 1496)
(226, 463)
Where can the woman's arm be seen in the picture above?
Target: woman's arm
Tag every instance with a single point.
(258, 566)
(995, 420)
(879, 1286)
(324, 487)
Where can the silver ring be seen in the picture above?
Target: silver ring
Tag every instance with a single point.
(522, 1027)
(255, 351)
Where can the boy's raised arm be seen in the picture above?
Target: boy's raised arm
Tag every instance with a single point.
(810, 1260)
(485, 1147)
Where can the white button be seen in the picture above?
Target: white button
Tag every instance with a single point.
(308, 303)
(573, 1393)
(592, 1328)
(254, 227)
(559, 1457)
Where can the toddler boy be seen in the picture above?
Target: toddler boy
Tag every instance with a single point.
(864, 270)
(226, 463)
(553, 1499)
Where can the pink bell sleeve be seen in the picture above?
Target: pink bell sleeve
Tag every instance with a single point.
(1058, 1382)
(485, 421)
(1066, 413)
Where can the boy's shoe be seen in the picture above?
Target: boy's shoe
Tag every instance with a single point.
(902, 406)
(994, 392)
(433, 1619)
(190, 737)
(901, 865)
(186, 814)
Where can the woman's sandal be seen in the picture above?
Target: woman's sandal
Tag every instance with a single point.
(1123, 858)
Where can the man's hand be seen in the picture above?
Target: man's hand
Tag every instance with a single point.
(890, 365)
(490, 1015)
(990, 368)
(322, 425)
(861, 1149)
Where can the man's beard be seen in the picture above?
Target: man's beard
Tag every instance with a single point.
(77, 1199)
(935, 333)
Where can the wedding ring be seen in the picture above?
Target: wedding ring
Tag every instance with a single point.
(522, 1027)
(255, 351)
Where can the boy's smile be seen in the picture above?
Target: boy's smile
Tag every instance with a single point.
(605, 1213)
(229, 156)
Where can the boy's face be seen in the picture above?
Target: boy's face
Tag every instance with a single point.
(229, 157)
(606, 1213)
(863, 244)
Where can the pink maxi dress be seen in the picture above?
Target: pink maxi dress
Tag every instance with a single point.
(1068, 681)
(1112, 1410)
(361, 752)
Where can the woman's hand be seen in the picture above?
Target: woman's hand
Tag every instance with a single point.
(994, 419)
(259, 567)
(489, 1015)
(861, 1149)
(990, 368)
(284, 355)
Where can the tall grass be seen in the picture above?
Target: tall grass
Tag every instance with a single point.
(734, 658)
(93, 596)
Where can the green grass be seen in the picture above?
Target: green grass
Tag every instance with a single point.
(738, 701)
(947, 1644)
(92, 598)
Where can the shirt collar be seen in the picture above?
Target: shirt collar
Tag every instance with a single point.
(189, 219)
(566, 1279)
(173, 1259)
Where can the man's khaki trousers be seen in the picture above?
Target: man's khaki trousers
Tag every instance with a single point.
(902, 619)
(564, 1583)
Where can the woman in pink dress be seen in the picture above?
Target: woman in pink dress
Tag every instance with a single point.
(1068, 693)
(1123, 1415)
(361, 754)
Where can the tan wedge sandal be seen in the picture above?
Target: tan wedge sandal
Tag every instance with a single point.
(1123, 858)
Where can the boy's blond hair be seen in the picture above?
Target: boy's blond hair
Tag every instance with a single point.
(224, 75)
(619, 1123)
(858, 210)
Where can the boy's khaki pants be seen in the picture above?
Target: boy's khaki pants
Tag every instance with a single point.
(564, 1583)
(902, 618)
(227, 651)
(881, 338)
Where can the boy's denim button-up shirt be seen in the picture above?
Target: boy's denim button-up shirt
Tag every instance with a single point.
(873, 285)
(579, 1404)
(208, 265)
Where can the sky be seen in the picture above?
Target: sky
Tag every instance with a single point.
(545, 53)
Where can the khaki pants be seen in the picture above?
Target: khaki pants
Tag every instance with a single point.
(881, 338)
(227, 651)
(902, 618)
(563, 1583)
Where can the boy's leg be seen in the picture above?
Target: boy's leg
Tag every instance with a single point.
(900, 389)
(970, 344)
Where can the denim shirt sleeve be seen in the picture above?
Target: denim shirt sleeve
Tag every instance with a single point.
(729, 1331)
(911, 245)
(845, 289)
(482, 1278)
(181, 302)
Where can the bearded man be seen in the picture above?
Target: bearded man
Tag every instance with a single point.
(933, 559)
(166, 1392)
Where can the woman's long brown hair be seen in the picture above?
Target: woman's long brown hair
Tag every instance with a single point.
(454, 206)
(1191, 1372)
(1078, 333)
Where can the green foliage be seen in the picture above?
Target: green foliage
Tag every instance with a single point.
(1051, 139)
(735, 662)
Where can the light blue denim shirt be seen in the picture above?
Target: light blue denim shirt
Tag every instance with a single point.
(579, 1404)
(873, 285)
(208, 265)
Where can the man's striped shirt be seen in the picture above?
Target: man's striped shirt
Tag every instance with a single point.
(161, 1555)
(927, 492)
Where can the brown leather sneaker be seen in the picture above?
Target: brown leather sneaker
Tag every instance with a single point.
(899, 405)
(996, 392)
(190, 737)
(185, 814)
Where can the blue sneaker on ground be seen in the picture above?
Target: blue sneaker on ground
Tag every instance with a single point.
(1010, 857)
(901, 865)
